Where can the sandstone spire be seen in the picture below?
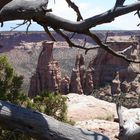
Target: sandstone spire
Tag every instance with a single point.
(48, 75)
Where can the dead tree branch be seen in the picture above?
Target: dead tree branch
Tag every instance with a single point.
(12, 11)
(49, 33)
(76, 9)
(3, 3)
(21, 24)
(110, 50)
(129, 130)
(41, 126)
(119, 113)
(71, 44)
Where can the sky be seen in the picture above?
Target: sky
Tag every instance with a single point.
(88, 8)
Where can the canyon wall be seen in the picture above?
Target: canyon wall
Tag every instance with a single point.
(109, 69)
(102, 70)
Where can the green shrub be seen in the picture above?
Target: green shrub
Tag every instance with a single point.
(10, 83)
(11, 90)
(52, 104)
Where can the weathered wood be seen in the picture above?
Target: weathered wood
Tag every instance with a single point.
(41, 126)
(129, 130)
(32, 9)
(3, 3)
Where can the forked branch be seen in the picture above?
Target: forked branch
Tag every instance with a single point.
(76, 9)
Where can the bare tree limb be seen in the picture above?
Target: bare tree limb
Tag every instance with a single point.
(49, 33)
(110, 50)
(18, 25)
(71, 44)
(3, 3)
(119, 3)
(76, 9)
(35, 11)
(119, 112)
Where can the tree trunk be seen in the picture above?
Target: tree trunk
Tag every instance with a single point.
(129, 130)
(41, 126)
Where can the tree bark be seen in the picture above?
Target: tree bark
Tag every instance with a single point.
(34, 9)
(129, 130)
(41, 126)
(3, 3)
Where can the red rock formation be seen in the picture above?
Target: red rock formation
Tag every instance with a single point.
(64, 88)
(104, 69)
(106, 65)
(77, 76)
(48, 74)
(115, 87)
(89, 85)
(75, 82)
(125, 87)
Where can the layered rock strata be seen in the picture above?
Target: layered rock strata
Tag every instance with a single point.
(123, 76)
(102, 70)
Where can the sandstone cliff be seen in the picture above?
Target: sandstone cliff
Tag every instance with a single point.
(110, 69)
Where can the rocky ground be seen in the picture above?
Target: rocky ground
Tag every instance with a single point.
(97, 115)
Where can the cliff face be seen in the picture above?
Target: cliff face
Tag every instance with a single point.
(109, 69)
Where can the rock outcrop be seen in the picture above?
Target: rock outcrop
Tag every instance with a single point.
(104, 69)
(65, 83)
(89, 81)
(48, 74)
(81, 77)
(77, 76)
(110, 69)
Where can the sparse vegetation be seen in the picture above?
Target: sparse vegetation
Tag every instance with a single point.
(11, 90)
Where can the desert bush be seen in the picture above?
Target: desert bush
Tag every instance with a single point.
(11, 90)
(52, 104)
(10, 83)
